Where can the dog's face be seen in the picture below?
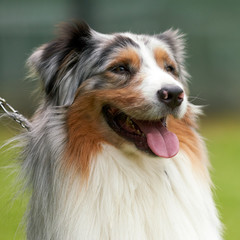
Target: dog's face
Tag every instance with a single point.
(129, 84)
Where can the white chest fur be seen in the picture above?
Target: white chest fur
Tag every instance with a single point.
(142, 199)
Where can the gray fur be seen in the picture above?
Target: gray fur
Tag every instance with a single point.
(45, 144)
(176, 42)
(42, 161)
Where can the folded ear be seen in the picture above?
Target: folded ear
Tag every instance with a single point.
(176, 42)
(55, 62)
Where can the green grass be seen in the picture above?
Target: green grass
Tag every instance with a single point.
(12, 204)
(223, 141)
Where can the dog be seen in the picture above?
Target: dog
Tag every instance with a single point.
(114, 152)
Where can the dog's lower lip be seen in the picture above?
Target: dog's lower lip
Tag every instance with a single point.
(127, 127)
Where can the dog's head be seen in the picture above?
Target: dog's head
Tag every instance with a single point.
(127, 83)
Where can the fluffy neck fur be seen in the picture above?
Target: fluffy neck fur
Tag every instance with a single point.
(127, 197)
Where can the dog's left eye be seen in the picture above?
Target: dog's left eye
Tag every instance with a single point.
(121, 69)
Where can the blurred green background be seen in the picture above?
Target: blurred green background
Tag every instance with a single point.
(213, 46)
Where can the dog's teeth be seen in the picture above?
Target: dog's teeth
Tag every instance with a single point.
(138, 132)
(128, 121)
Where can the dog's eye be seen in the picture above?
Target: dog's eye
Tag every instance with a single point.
(170, 68)
(121, 69)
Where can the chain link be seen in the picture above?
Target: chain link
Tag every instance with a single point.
(14, 114)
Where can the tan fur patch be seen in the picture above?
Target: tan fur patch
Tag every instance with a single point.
(162, 58)
(84, 137)
(127, 56)
(189, 139)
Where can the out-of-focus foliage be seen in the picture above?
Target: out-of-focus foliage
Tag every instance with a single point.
(211, 27)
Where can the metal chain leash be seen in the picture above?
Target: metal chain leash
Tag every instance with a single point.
(14, 114)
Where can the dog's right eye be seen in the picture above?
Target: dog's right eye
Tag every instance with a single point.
(121, 69)
(170, 68)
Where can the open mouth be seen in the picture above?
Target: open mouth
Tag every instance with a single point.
(151, 137)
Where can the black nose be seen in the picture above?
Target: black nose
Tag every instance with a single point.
(171, 95)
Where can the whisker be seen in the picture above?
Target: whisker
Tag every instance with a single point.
(194, 98)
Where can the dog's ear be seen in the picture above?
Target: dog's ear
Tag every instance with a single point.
(176, 42)
(54, 62)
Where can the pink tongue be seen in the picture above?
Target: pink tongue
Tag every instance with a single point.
(162, 142)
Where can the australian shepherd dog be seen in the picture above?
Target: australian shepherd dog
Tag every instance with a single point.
(114, 152)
